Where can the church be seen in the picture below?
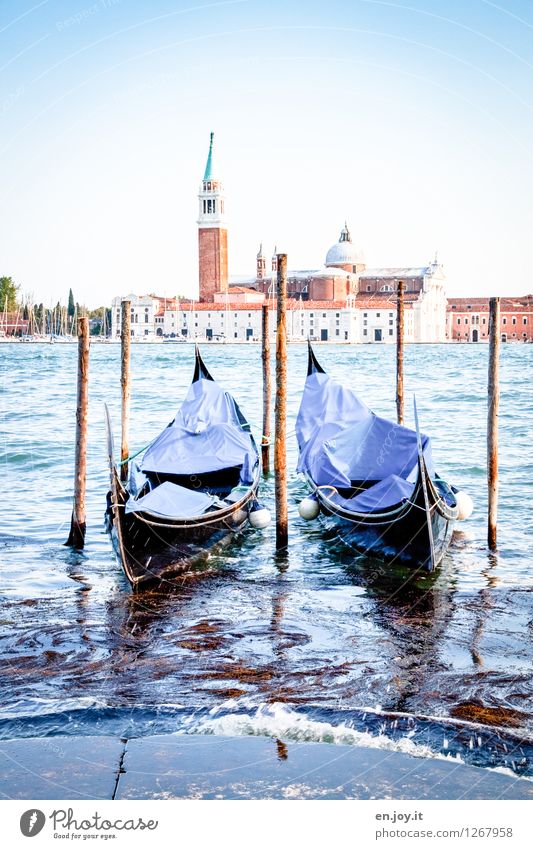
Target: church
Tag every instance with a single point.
(344, 283)
(345, 301)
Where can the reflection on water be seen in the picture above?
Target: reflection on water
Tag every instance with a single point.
(320, 643)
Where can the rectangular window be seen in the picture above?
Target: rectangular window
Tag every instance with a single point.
(365, 332)
(337, 315)
(391, 315)
(458, 320)
(466, 320)
(524, 320)
(365, 314)
(337, 321)
(378, 315)
(365, 321)
(323, 315)
(146, 318)
(484, 320)
(337, 332)
(504, 321)
(514, 319)
(391, 332)
(391, 321)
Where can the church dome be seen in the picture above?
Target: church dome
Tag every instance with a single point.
(344, 252)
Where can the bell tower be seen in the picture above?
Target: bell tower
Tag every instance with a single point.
(261, 264)
(212, 233)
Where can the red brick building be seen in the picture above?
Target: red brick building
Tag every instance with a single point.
(468, 319)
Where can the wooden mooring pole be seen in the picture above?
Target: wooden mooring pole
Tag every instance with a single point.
(280, 451)
(267, 390)
(125, 339)
(492, 419)
(76, 537)
(399, 351)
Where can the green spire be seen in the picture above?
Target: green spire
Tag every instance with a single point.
(208, 175)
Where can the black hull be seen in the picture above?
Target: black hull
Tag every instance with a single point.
(151, 550)
(400, 535)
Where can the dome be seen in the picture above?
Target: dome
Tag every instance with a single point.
(344, 252)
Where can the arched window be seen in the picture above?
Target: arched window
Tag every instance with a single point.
(386, 288)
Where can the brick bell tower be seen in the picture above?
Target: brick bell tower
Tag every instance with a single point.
(212, 233)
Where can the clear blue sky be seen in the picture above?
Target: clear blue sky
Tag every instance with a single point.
(412, 120)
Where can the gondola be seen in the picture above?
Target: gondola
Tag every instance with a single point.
(374, 478)
(193, 486)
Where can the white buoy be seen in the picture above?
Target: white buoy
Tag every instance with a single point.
(260, 518)
(309, 508)
(465, 505)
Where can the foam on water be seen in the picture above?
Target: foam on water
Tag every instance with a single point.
(280, 721)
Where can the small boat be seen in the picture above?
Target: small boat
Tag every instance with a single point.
(190, 489)
(373, 477)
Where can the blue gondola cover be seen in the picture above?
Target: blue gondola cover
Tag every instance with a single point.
(343, 442)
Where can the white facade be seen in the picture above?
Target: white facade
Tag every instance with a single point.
(155, 319)
(143, 316)
(194, 322)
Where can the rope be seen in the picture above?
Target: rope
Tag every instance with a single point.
(328, 486)
(132, 456)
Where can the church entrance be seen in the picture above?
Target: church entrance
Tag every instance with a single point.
(475, 334)
(378, 336)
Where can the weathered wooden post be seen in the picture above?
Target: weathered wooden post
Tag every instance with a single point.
(280, 452)
(76, 537)
(492, 419)
(267, 390)
(125, 339)
(399, 351)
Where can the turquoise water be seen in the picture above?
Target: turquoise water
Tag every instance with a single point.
(324, 643)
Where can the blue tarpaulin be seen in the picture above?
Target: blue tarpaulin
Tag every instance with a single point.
(343, 443)
(206, 436)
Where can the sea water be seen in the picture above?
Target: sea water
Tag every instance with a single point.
(324, 643)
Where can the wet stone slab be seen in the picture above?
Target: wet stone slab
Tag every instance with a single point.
(213, 767)
(60, 767)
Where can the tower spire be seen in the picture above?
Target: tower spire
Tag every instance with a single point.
(208, 173)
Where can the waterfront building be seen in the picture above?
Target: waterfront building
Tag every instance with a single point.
(147, 315)
(468, 319)
(343, 301)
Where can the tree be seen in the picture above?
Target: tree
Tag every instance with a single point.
(71, 305)
(8, 294)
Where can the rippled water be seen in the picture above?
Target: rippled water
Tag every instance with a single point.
(323, 644)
